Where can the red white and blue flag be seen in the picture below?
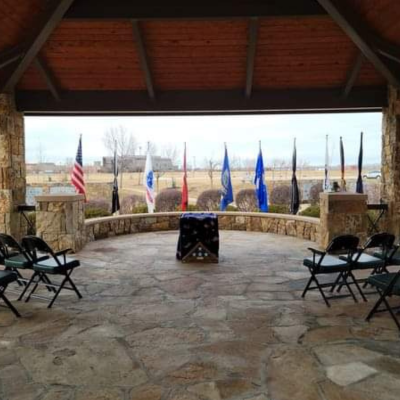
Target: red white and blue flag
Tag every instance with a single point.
(77, 178)
(148, 182)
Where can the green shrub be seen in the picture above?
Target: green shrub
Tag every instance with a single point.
(168, 200)
(279, 209)
(140, 209)
(312, 211)
(96, 213)
(231, 208)
(189, 208)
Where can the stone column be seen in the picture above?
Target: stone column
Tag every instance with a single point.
(12, 167)
(390, 189)
(60, 220)
(343, 213)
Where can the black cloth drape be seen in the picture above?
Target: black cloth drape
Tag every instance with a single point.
(359, 187)
(295, 197)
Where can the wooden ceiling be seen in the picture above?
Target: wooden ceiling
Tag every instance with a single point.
(111, 56)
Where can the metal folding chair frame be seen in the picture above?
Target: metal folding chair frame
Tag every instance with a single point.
(7, 302)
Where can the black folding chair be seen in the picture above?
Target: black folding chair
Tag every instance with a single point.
(362, 260)
(56, 263)
(387, 285)
(325, 262)
(15, 258)
(7, 277)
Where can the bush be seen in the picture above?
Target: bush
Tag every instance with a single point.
(280, 195)
(141, 209)
(246, 200)
(131, 203)
(168, 200)
(315, 190)
(278, 209)
(209, 200)
(190, 207)
(97, 208)
(312, 211)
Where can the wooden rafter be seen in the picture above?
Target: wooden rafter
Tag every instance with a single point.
(353, 74)
(10, 56)
(251, 54)
(143, 58)
(358, 33)
(194, 9)
(187, 102)
(48, 76)
(55, 11)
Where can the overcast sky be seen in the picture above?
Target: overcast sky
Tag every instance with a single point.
(205, 135)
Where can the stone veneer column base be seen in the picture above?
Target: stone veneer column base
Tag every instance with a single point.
(342, 213)
(60, 221)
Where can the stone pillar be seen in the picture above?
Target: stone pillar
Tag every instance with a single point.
(343, 213)
(390, 189)
(60, 220)
(12, 167)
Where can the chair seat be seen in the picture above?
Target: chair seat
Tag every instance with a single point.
(18, 261)
(365, 261)
(330, 264)
(7, 277)
(395, 260)
(50, 265)
(382, 281)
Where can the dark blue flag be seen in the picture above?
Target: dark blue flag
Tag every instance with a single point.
(295, 195)
(261, 188)
(359, 186)
(226, 191)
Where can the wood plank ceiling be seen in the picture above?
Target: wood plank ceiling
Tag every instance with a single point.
(199, 56)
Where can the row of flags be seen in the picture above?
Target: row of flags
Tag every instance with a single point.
(77, 179)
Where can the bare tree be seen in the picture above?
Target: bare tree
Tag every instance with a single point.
(124, 142)
(170, 151)
(211, 167)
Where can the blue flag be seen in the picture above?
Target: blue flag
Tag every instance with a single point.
(226, 191)
(261, 188)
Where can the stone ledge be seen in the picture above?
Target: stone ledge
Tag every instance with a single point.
(302, 227)
(60, 197)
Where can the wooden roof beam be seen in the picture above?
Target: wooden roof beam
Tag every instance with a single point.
(200, 102)
(48, 76)
(194, 9)
(55, 11)
(143, 58)
(251, 54)
(10, 56)
(361, 36)
(353, 74)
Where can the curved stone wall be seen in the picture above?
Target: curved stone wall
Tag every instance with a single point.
(282, 224)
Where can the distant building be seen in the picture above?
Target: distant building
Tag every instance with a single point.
(44, 168)
(137, 163)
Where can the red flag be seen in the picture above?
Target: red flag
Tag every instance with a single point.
(185, 195)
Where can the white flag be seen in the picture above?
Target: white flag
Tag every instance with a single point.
(326, 178)
(148, 182)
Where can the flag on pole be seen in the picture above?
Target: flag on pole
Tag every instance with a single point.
(185, 195)
(342, 167)
(226, 191)
(259, 181)
(295, 197)
(115, 196)
(326, 177)
(77, 178)
(148, 182)
(359, 187)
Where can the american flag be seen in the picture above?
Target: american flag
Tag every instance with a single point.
(77, 172)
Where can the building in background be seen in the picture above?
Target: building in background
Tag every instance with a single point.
(137, 164)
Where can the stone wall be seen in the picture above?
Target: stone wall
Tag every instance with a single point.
(390, 189)
(60, 221)
(12, 167)
(342, 213)
(282, 224)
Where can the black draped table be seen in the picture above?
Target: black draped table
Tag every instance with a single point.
(198, 238)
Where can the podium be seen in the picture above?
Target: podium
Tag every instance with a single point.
(198, 238)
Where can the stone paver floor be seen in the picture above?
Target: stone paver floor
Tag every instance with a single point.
(151, 328)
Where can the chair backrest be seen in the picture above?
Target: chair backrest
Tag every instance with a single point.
(343, 244)
(34, 244)
(7, 244)
(382, 240)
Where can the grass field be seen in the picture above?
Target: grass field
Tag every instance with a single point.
(198, 181)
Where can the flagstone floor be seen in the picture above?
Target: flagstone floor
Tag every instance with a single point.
(151, 328)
